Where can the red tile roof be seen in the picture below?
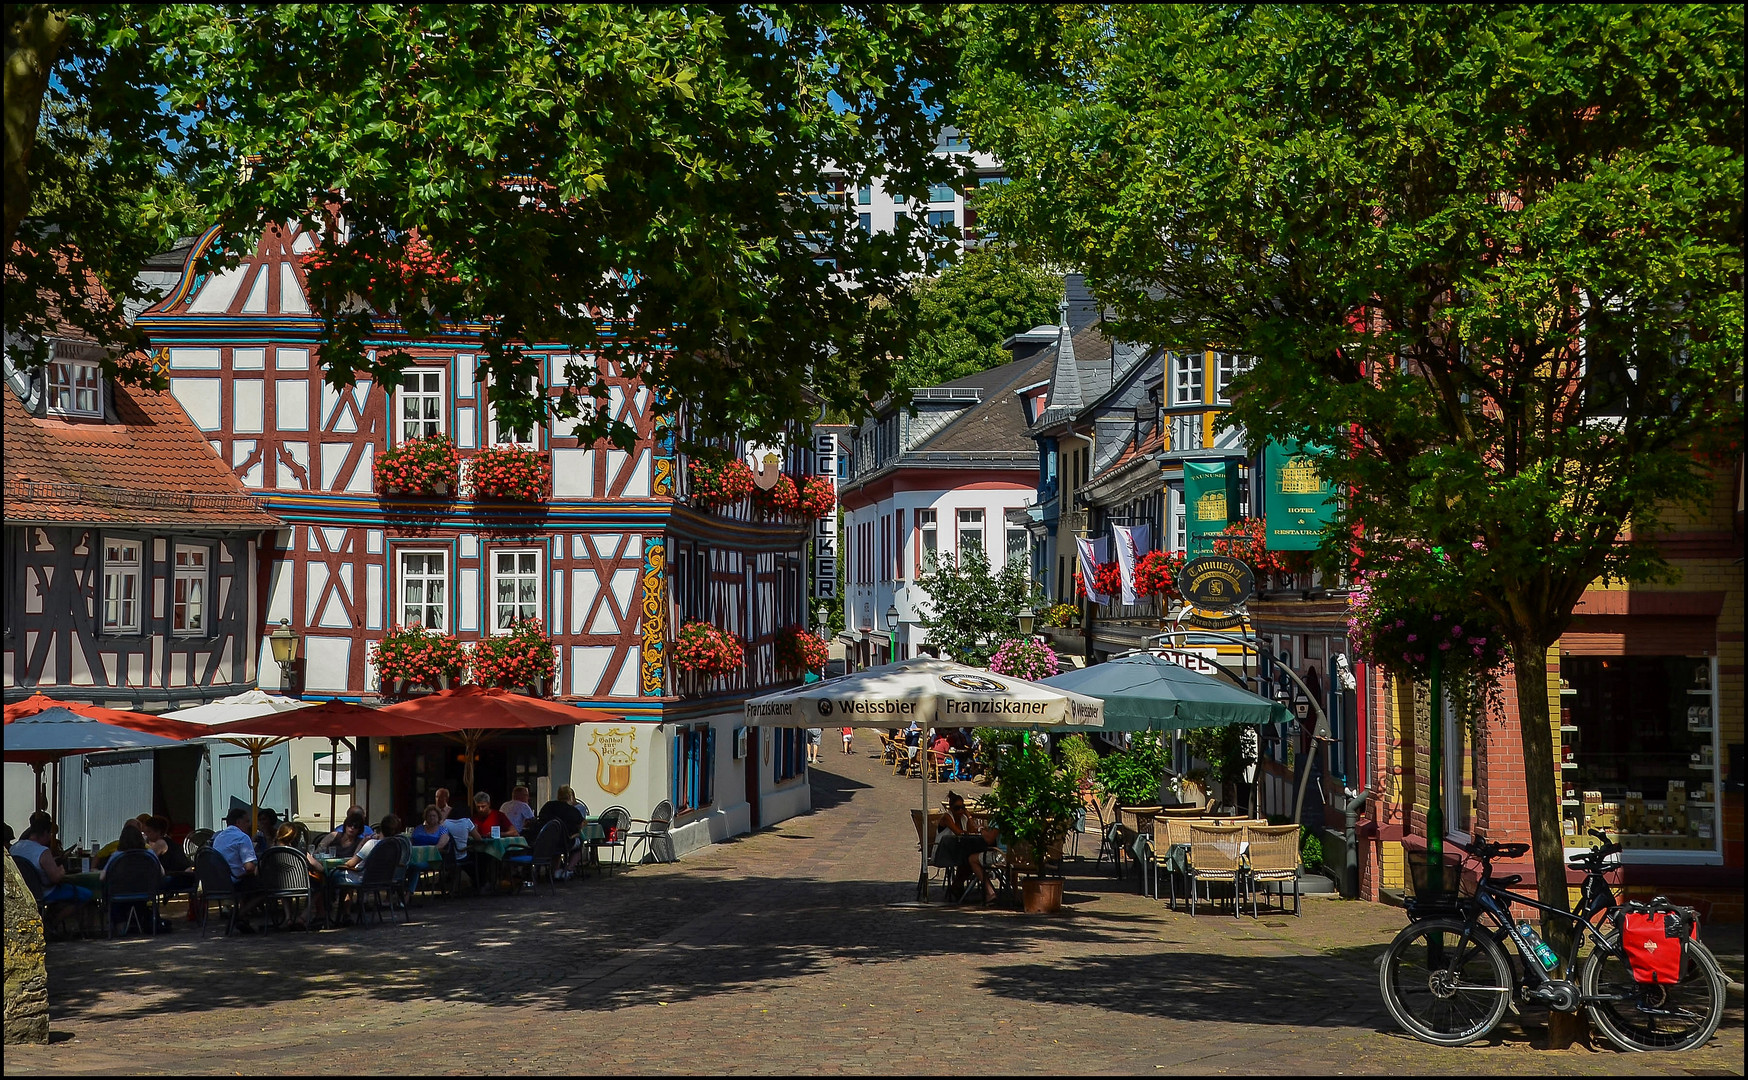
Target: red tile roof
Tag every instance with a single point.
(152, 468)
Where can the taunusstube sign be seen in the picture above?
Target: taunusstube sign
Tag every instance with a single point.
(1215, 583)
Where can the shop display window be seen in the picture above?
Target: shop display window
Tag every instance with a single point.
(1638, 749)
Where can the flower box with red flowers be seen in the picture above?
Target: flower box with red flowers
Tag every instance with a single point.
(523, 657)
(720, 483)
(1156, 574)
(707, 650)
(510, 472)
(779, 500)
(418, 656)
(799, 651)
(427, 466)
(1107, 580)
(819, 497)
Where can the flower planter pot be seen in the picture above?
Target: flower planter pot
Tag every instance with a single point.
(1041, 896)
(398, 687)
(537, 688)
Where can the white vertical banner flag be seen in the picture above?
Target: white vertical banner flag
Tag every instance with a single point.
(1093, 554)
(1131, 542)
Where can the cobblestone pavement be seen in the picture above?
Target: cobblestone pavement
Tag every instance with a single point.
(784, 952)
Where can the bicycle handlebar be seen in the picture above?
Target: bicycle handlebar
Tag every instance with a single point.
(1487, 850)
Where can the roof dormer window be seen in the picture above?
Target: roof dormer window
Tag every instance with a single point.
(75, 387)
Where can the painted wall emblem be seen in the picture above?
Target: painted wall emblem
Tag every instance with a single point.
(615, 752)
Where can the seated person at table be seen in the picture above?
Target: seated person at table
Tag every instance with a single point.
(351, 874)
(238, 851)
(485, 819)
(440, 799)
(343, 842)
(964, 846)
(133, 838)
(266, 828)
(912, 736)
(517, 809)
(567, 811)
(33, 848)
(430, 832)
(170, 856)
(942, 749)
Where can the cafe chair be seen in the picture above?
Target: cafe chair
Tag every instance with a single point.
(216, 888)
(615, 822)
(285, 879)
(657, 845)
(1272, 855)
(384, 876)
(1105, 810)
(1214, 855)
(194, 841)
(550, 845)
(132, 883)
(48, 909)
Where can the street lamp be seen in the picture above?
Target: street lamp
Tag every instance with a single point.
(892, 634)
(284, 651)
(1026, 617)
(822, 618)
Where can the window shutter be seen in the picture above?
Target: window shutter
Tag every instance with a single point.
(675, 791)
(709, 767)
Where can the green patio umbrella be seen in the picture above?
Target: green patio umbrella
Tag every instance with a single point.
(1145, 692)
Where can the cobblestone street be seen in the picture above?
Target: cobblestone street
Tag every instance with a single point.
(781, 952)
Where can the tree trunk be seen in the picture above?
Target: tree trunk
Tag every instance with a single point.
(1542, 792)
(34, 38)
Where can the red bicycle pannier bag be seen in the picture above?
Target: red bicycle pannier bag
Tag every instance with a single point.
(1651, 936)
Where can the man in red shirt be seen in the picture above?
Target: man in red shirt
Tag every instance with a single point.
(484, 817)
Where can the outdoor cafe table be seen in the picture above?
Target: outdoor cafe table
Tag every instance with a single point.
(491, 854)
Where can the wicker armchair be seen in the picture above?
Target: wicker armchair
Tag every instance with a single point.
(1214, 855)
(1272, 855)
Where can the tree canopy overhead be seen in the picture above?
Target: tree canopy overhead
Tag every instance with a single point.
(1491, 255)
(543, 171)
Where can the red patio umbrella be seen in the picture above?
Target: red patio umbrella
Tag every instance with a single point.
(332, 720)
(36, 704)
(469, 713)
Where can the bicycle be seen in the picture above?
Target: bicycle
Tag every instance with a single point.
(1447, 979)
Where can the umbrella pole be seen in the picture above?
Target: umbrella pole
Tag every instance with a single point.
(255, 749)
(922, 881)
(42, 786)
(333, 788)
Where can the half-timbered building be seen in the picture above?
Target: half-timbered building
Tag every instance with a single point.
(611, 563)
(132, 560)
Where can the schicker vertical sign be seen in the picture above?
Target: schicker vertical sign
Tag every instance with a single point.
(825, 529)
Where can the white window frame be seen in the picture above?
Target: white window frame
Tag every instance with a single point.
(190, 588)
(498, 626)
(405, 396)
(1025, 553)
(403, 605)
(70, 380)
(1227, 366)
(1186, 431)
(118, 568)
(930, 530)
(492, 439)
(1175, 530)
(1187, 379)
(961, 531)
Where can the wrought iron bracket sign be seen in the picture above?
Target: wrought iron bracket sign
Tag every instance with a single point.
(1216, 583)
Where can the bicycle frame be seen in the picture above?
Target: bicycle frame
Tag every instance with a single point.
(1593, 902)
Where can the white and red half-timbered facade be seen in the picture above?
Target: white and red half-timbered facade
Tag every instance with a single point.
(611, 563)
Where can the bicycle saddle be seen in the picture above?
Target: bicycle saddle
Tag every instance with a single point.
(1507, 881)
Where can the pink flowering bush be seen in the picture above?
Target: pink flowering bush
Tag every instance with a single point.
(1024, 658)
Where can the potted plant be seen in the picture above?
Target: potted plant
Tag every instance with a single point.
(707, 650)
(1024, 658)
(1107, 581)
(414, 656)
(427, 466)
(1061, 616)
(1034, 804)
(522, 659)
(800, 651)
(1133, 776)
(1156, 574)
(720, 483)
(510, 472)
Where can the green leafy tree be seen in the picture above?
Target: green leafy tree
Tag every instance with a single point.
(532, 171)
(1134, 775)
(1491, 255)
(971, 610)
(965, 313)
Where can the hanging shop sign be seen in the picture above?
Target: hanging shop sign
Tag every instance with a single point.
(1300, 503)
(1210, 502)
(1216, 584)
(825, 529)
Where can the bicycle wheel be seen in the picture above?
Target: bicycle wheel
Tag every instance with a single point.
(1678, 1016)
(1441, 988)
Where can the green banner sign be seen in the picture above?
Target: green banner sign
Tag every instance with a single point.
(1299, 502)
(1210, 502)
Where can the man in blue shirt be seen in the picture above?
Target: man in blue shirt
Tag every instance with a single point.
(233, 843)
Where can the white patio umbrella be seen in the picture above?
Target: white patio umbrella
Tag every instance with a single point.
(933, 693)
(244, 706)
